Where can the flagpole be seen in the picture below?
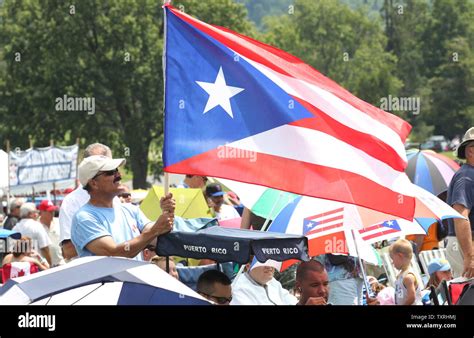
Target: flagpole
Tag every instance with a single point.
(77, 164)
(51, 145)
(263, 228)
(166, 178)
(360, 263)
(8, 173)
(166, 183)
(165, 2)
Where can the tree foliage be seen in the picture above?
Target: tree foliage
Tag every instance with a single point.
(112, 51)
(107, 50)
(339, 42)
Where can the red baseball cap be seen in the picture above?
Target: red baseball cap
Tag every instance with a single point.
(47, 205)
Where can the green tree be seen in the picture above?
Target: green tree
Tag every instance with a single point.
(449, 63)
(452, 90)
(344, 44)
(449, 19)
(433, 42)
(226, 13)
(109, 51)
(405, 25)
(258, 9)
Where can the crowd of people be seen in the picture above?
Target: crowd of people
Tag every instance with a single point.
(97, 218)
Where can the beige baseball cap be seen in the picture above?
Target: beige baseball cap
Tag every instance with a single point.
(92, 165)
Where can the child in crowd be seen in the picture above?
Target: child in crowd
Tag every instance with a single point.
(439, 270)
(407, 286)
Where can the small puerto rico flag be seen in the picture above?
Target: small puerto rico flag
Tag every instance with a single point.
(328, 220)
(381, 231)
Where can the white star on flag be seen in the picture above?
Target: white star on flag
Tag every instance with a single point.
(219, 93)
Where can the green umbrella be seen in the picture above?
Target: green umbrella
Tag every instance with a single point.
(262, 201)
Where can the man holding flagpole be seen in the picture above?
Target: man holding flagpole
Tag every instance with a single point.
(102, 228)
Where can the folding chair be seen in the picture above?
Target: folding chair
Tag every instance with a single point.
(440, 295)
(428, 255)
(392, 272)
(457, 291)
(389, 269)
(467, 295)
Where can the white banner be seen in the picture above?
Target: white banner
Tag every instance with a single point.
(3, 169)
(40, 168)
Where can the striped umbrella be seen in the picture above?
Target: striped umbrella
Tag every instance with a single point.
(430, 170)
(99, 280)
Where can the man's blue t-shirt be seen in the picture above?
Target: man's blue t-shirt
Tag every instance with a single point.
(461, 191)
(123, 222)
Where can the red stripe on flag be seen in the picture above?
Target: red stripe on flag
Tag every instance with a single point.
(326, 124)
(345, 186)
(327, 213)
(372, 227)
(379, 234)
(329, 220)
(315, 231)
(332, 243)
(290, 65)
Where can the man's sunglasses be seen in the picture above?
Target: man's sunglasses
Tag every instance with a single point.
(219, 300)
(107, 173)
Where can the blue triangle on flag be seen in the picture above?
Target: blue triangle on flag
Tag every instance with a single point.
(191, 56)
(392, 225)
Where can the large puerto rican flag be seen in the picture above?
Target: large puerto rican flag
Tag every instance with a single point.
(239, 109)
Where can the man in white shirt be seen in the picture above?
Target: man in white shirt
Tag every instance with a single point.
(258, 287)
(30, 227)
(51, 225)
(74, 201)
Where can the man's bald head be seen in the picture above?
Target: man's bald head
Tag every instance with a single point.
(305, 267)
(97, 149)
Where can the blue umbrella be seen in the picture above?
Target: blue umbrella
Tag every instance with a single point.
(99, 281)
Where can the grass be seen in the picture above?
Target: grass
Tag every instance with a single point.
(449, 154)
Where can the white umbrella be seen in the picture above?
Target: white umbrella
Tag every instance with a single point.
(100, 281)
